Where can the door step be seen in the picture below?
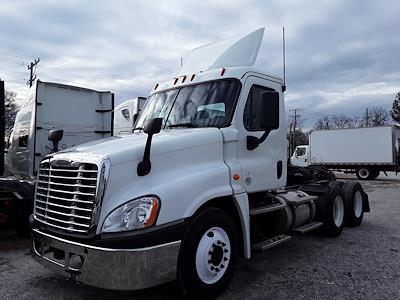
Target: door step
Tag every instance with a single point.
(308, 227)
(267, 208)
(276, 240)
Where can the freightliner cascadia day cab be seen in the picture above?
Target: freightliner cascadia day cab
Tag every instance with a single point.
(52, 117)
(126, 114)
(364, 151)
(201, 181)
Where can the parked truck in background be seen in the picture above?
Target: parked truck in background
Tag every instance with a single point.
(201, 181)
(53, 117)
(126, 114)
(363, 151)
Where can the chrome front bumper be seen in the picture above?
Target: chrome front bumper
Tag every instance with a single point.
(116, 269)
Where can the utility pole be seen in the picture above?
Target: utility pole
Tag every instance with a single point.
(32, 76)
(367, 117)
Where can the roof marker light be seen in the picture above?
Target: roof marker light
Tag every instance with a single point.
(191, 78)
(184, 78)
(222, 71)
(155, 87)
(176, 80)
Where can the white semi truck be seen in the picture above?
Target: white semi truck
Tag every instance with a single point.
(201, 181)
(126, 114)
(53, 117)
(364, 151)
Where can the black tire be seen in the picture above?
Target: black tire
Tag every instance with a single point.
(330, 227)
(23, 211)
(363, 173)
(354, 206)
(374, 174)
(189, 283)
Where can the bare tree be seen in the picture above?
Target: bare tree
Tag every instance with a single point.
(300, 138)
(357, 122)
(342, 121)
(295, 123)
(323, 124)
(10, 110)
(380, 116)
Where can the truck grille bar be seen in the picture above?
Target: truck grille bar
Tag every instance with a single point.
(65, 196)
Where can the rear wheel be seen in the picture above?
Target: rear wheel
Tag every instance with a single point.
(374, 174)
(208, 255)
(333, 218)
(363, 173)
(354, 206)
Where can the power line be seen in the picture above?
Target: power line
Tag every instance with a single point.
(60, 65)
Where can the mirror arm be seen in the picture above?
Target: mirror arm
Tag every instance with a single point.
(144, 167)
(253, 142)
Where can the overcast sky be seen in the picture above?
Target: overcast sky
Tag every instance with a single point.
(342, 56)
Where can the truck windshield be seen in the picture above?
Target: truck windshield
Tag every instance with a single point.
(208, 104)
(300, 151)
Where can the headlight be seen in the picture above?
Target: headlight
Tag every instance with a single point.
(136, 214)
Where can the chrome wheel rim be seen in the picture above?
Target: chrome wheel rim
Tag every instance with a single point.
(358, 204)
(213, 255)
(338, 211)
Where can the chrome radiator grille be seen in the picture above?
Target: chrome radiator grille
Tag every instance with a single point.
(65, 195)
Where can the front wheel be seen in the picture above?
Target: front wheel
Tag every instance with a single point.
(363, 173)
(208, 255)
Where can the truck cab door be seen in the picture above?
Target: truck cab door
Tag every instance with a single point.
(265, 166)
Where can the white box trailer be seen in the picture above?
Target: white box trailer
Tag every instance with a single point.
(365, 151)
(72, 115)
(83, 114)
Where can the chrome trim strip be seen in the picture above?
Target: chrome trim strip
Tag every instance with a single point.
(59, 227)
(62, 221)
(101, 248)
(63, 206)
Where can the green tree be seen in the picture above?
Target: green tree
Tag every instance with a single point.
(395, 112)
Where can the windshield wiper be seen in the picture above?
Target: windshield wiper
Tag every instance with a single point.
(189, 125)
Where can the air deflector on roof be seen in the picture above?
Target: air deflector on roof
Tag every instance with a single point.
(240, 50)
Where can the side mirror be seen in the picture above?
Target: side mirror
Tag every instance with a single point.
(269, 110)
(152, 126)
(269, 120)
(55, 136)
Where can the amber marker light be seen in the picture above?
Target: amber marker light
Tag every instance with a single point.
(153, 213)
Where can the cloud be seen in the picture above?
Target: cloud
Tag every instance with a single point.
(341, 55)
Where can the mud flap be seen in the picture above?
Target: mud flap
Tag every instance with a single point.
(365, 202)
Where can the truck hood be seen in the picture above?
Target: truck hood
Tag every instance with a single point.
(120, 149)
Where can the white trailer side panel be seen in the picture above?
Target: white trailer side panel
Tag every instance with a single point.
(373, 145)
(85, 115)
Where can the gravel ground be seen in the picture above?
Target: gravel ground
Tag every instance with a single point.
(363, 263)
